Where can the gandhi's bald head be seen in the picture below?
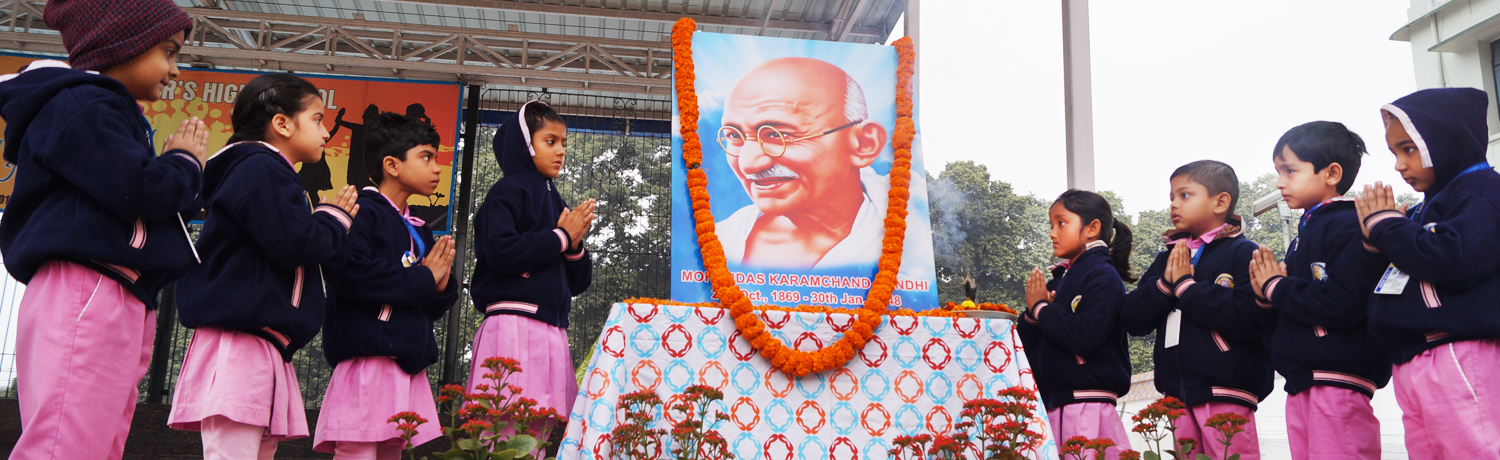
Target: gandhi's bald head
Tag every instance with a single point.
(801, 98)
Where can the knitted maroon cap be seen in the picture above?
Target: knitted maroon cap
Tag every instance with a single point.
(100, 34)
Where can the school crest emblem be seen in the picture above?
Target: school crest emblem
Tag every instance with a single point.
(1076, 299)
(1225, 280)
(1320, 271)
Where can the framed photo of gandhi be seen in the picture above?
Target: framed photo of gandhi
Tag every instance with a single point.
(796, 139)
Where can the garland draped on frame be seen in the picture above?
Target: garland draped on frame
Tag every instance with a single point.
(783, 358)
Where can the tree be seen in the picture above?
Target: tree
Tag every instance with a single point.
(982, 228)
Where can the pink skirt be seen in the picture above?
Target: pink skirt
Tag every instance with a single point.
(363, 394)
(542, 349)
(240, 377)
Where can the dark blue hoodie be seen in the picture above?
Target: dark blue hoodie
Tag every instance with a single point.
(382, 306)
(262, 244)
(89, 187)
(1322, 337)
(524, 266)
(1448, 246)
(1223, 352)
(1076, 345)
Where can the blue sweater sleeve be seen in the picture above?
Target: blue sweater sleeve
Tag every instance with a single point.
(96, 150)
(1457, 253)
(580, 270)
(274, 212)
(509, 250)
(1143, 308)
(1232, 311)
(1098, 313)
(1339, 300)
(364, 277)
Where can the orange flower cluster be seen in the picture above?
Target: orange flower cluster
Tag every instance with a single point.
(933, 313)
(983, 306)
(783, 358)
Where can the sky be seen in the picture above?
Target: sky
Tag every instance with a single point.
(1173, 81)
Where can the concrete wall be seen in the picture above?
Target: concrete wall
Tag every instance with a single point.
(1464, 29)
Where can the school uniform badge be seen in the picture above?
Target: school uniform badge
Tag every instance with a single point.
(1320, 271)
(1076, 299)
(1225, 280)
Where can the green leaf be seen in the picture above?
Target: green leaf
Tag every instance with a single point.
(1234, 457)
(507, 454)
(468, 444)
(1202, 457)
(1149, 455)
(522, 443)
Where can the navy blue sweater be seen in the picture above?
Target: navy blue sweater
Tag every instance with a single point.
(1322, 337)
(1223, 352)
(1449, 245)
(1076, 345)
(382, 307)
(261, 245)
(524, 265)
(89, 187)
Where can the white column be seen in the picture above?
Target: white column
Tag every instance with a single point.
(911, 24)
(1077, 94)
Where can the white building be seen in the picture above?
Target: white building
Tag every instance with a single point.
(1456, 44)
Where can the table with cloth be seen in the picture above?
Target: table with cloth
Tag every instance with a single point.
(912, 378)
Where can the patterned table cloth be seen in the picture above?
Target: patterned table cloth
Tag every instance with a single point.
(913, 377)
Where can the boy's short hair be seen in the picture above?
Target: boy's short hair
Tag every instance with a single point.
(100, 34)
(391, 135)
(1323, 143)
(1215, 176)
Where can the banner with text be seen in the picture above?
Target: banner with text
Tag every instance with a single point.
(797, 148)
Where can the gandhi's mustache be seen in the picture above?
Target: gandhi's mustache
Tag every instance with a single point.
(774, 172)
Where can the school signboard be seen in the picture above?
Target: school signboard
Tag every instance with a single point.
(348, 104)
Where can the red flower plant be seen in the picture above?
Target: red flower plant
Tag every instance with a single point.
(407, 423)
(1227, 424)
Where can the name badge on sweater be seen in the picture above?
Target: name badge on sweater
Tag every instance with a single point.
(1393, 282)
(1174, 329)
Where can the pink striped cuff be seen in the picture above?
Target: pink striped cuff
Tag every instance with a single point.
(1370, 248)
(579, 255)
(337, 213)
(513, 306)
(1184, 286)
(1320, 331)
(1377, 218)
(1037, 310)
(385, 313)
(1270, 289)
(189, 157)
(1436, 336)
(1348, 379)
(1242, 395)
(1164, 289)
(562, 238)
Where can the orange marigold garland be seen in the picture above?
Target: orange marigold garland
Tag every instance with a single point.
(785, 359)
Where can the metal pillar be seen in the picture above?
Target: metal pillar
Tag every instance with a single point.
(1077, 94)
(161, 347)
(461, 231)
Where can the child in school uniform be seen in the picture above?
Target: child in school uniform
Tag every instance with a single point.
(531, 260)
(390, 285)
(1321, 343)
(1434, 307)
(94, 227)
(260, 294)
(1211, 338)
(1072, 330)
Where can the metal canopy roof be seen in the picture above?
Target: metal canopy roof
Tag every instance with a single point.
(862, 21)
(603, 47)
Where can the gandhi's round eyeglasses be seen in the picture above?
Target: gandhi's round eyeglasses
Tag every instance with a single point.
(772, 141)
